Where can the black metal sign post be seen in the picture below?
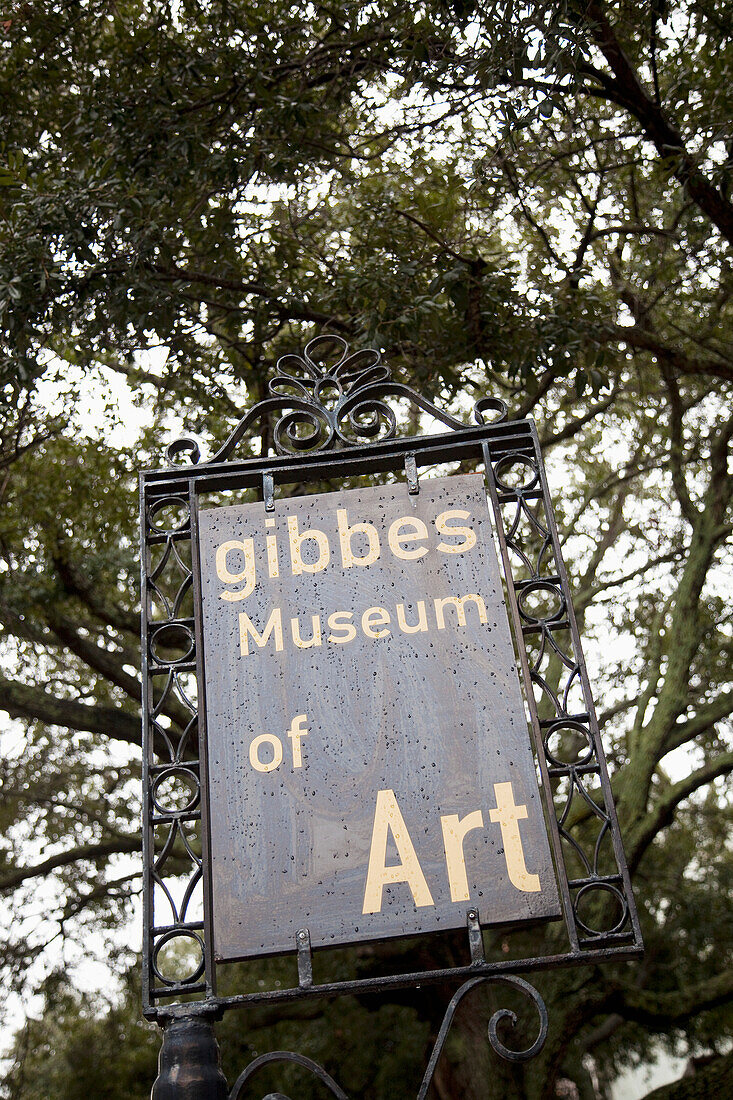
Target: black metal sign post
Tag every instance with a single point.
(336, 747)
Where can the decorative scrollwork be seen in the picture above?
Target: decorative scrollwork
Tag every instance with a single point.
(490, 404)
(501, 1014)
(598, 903)
(331, 397)
(183, 449)
(500, 1048)
(285, 1056)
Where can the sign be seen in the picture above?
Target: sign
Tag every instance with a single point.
(369, 764)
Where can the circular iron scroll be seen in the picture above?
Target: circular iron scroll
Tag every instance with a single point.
(285, 1056)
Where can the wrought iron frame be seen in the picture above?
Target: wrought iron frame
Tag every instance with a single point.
(334, 422)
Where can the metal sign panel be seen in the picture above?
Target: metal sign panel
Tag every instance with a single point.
(369, 763)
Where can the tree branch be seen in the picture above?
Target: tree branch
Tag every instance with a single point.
(95, 657)
(669, 143)
(80, 585)
(116, 888)
(293, 311)
(642, 340)
(659, 1011)
(508, 170)
(467, 260)
(11, 455)
(689, 511)
(704, 720)
(9, 880)
(617, 582)
(621, 707)
(683, 637)
(545, 384)
(641, 835)
(22, 701)
(575, 425)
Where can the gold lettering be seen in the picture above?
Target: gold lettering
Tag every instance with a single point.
(454, 831)
(346, 534)
(334, 624)
(315, 640)
(396, 536)
(246, 546)
(507, 815)
(296, 541)
(388, 818)
(295, 733)
(273, 564)
(465, 533)
(422, 619)
(246, 627)
(375, 616)
(277, 752)
(459, 603)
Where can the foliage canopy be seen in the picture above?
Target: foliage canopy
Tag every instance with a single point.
(528, 199)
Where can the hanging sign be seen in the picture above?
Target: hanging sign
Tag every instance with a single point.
(370, 772)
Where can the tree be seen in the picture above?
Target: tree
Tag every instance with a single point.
(529, 199)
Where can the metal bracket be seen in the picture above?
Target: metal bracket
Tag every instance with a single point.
(305, 958)
(475, 938)
(413, 485)
(268, 492)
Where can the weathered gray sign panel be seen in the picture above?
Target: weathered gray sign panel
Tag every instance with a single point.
(369, 762)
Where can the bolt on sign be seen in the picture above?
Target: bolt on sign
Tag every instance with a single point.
(370, 772)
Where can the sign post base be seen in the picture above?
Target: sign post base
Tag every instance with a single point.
(188, 1064)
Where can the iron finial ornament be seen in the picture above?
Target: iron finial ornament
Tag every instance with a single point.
(330, 398)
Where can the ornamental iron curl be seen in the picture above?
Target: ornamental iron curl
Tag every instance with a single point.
(330, 398)
(285, 1056)
(502, 1014)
